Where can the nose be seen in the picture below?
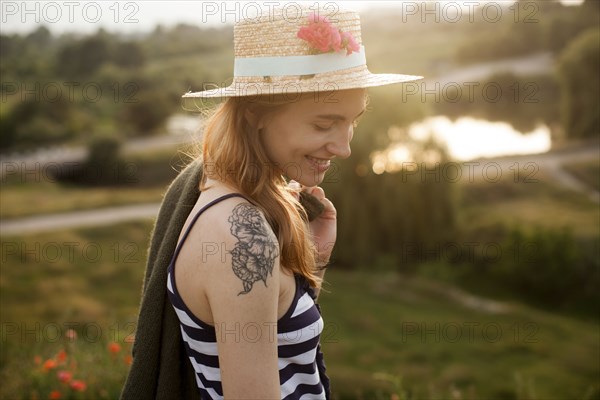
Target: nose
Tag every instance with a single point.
(340, 143)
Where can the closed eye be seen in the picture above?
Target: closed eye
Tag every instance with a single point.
(322, 128)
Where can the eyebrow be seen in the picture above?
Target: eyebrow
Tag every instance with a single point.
(338, 117)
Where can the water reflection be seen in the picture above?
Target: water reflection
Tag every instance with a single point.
(464, 139)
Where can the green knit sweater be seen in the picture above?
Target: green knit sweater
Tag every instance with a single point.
(160, 368)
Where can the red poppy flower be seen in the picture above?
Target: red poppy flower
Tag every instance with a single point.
(65, 376)
(78, 386)
(61, 356)
(55, 395)
(49, 364)
(114, 348)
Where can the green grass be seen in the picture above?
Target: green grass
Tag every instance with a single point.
(35, 198)
(385, 325)
(538, 202)
(369, 338)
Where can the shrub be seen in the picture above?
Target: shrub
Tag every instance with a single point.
(103, 166)
(550, 268)
(399, 216)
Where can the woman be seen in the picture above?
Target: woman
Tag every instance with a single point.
(245, 275)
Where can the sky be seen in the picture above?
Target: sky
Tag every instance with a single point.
(142, 16)
(126, 16)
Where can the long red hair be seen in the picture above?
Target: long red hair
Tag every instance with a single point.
(232, 153)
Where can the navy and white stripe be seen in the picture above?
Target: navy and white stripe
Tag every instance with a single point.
(298, 332)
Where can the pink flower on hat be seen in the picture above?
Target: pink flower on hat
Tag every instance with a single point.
(349, 43)
(324, 37)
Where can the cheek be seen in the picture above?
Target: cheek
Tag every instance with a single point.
(275, 140)
(286, 139)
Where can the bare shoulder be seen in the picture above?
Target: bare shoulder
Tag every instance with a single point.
(239, 248)
(243, 291)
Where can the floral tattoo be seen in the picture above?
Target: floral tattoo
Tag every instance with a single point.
(255, 252)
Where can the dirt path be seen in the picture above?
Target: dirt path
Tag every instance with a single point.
(550, 162)
(76, 219)
(37, 160)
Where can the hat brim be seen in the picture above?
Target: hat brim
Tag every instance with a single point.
(317, 83)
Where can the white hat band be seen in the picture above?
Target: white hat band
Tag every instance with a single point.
(298, 65)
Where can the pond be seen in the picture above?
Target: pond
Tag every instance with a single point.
(464, 139)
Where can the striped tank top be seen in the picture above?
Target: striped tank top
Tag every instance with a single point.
(301, 367)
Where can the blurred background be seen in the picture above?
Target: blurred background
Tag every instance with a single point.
(467, 264)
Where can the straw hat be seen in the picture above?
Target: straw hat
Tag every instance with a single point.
(294, 49)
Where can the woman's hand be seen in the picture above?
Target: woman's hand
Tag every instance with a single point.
(324, 227)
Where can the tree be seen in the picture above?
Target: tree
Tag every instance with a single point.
(40, 38)
(579, 81)
(129, 55)
(148, 113)
(35, 123)
(83, 58)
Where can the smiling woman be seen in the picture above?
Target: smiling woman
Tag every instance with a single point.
(299, 139)
(245, 266)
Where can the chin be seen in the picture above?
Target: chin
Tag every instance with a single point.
(310, 178)
(310, 174)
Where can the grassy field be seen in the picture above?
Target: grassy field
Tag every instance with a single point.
(88, 279)
(386, 326)
(529, 204)
(384, 333)
(29, 199)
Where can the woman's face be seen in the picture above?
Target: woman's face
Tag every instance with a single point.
(303, 137)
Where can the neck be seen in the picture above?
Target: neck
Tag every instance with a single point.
(215, 185)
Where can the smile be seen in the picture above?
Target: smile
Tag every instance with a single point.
(319, 164)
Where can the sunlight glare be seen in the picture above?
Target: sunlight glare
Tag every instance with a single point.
(468, 138)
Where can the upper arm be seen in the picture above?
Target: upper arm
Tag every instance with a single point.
(243, 294)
